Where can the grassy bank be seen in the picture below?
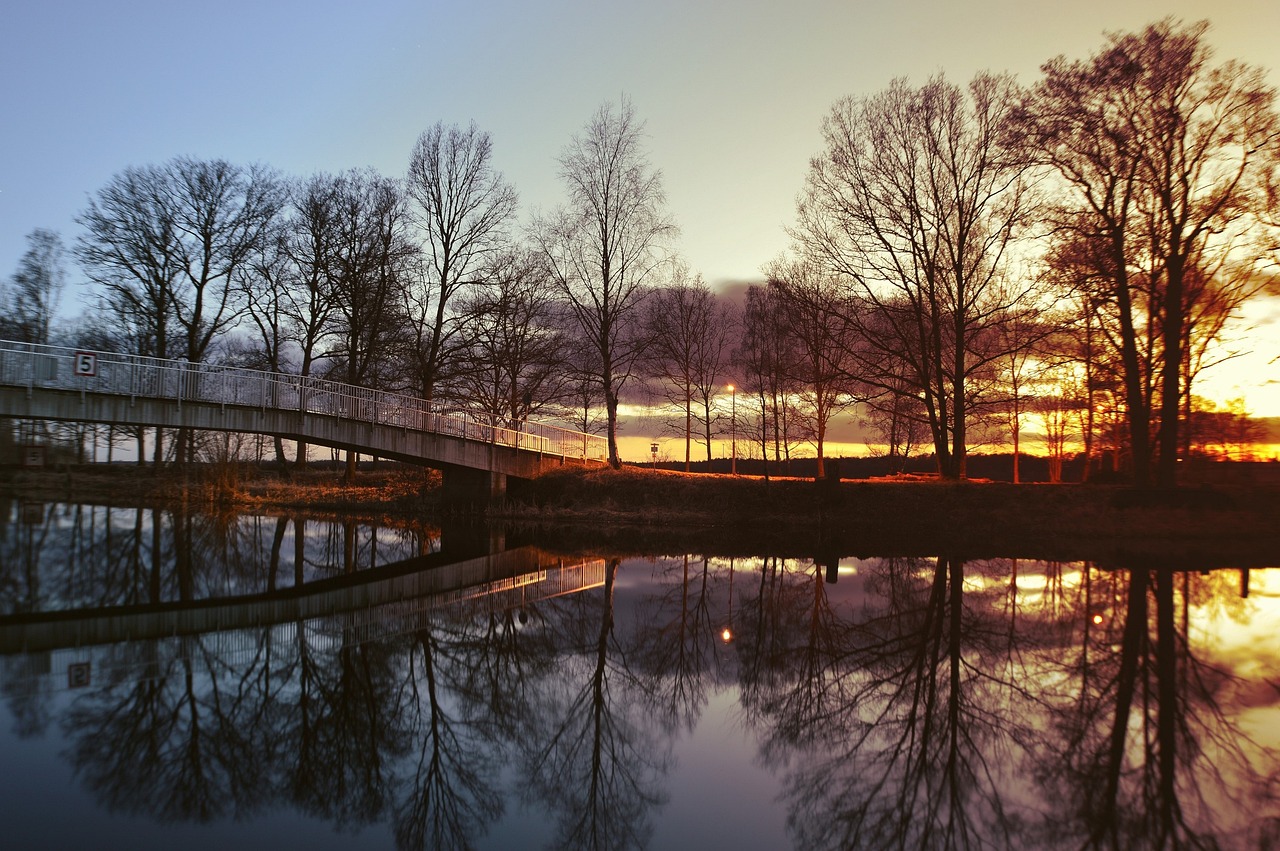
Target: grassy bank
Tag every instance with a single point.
(886, 515)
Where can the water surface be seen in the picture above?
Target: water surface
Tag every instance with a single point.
(185, 680)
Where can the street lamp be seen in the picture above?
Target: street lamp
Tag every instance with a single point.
(733, 427)
(653, 449)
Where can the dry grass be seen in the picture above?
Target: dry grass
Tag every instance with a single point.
(1070, 521)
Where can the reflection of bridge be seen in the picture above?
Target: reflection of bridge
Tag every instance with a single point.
(53, 383)
(376, 603)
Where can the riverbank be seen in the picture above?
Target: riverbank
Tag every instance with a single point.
(1239, 524)
(384, 490)
(639, 510)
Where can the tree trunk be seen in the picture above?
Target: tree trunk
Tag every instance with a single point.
(1171, 375)
(611, 407)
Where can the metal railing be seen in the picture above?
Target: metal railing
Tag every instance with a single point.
(34, 366)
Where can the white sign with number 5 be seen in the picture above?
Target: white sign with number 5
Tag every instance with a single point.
(86, 363)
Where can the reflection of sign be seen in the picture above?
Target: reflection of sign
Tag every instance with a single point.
(86, 364)
(33, 456)
(33, 513)
(77, 675)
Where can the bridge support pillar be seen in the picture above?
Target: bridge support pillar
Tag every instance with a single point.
(464, 487)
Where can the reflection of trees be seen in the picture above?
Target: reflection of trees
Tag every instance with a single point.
(82, 556)
(452, 796)
(20, 579)
(679, 643)
(814, 639)
(1146, 757)
(908, 708)
(592, 761)
(168, 745)
(347, 734)
(888, 720)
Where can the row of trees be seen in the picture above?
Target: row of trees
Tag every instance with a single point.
(1103, 224)
(421, 284)
(961, 256)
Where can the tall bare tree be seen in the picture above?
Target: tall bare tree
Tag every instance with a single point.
(165, 244)
(1171, 165)
(464, 209)
(764, 358)
(605, 245)
(373, 255)
(222, 214)
(894, 414)
(915, 202)
(167, 241)
(128, 248)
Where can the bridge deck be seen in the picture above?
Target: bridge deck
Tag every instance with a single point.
(55, 383)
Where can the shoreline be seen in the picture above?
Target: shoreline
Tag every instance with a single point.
(639, 510)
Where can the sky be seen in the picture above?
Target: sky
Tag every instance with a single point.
(732, 94)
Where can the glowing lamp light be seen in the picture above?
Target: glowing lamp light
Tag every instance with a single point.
(726, 635)
(1097, 618)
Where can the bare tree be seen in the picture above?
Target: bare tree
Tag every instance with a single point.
(585, 398)
(512, 361)
(165, 244)
(128, 248)
(1171, 164)
(915, 202)
(267, 282)
(37, 287)
(1022, 369)
(895, 414)
(464, 208)
(819, 321)
(688, 351)
(605, 244)
(371, 260)
(222, 213)
(765, 357)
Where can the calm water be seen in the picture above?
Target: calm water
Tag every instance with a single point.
(262, 682)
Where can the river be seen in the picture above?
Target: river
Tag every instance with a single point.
(178, 679)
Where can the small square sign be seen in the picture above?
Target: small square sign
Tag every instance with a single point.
(78, 675)
(33, 456)
(86, 364)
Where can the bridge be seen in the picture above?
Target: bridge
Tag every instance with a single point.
(74, 385)
(368, 605)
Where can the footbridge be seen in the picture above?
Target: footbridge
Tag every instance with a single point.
(63, 384)
(372, 604)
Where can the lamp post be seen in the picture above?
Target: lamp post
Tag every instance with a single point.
(653, 450)
(733, 428)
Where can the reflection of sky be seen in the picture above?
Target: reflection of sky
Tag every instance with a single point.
(43, 805)
(1244, 635)
(719, 792)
